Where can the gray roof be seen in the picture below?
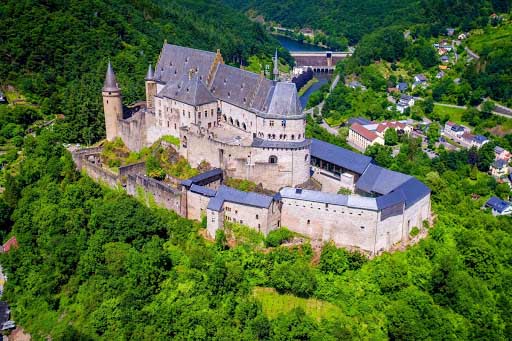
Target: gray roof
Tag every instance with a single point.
(110, 83)
(354, 201)
(207, 192)
(339, 156)
(203, 178)
(150, 75)
(412, 191)
(499, 163)
(260, 143)
(190, 90)
(497, 204)
(229, 194)
(244, 89)
(380, 180)
(176, 62)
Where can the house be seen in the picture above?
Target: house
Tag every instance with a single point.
(501, 154)
(454, 130)
(442, 51)
(361, 138)
(462, 36)
(469, 140)
(499, 168)
(402, 86)
(479, 140)
(404, 102)
(443, 67)
(445, 59)
(450, 31)
(392, 90)
(420, 78)
(498, 206)
(440, 75)
(308, 32)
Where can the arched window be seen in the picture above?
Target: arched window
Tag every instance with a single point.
(231, 120)
(269, 136)
(272, 159)
(184, 142)
(224, 118)
(274, 136)
(244, 126)
(306, 157)
(293, 137)
(237, 123)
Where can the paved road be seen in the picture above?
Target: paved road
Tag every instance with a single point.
(320, 106)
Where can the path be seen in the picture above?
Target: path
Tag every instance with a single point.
(320, 106)
(450, 105)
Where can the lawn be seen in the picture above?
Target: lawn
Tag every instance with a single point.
(454, 114)
(274, 304)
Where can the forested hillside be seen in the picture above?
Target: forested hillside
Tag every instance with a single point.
(93, 263)
(56, 52)
(353, 18)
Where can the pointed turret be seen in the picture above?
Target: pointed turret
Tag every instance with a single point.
(151, 73)
(112, 103)
(110, 83)
(275, 72)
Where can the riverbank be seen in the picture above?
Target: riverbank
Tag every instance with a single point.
(308, 85)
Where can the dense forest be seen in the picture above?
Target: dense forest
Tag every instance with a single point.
(94, 263)
(55, 52)
(353, 19)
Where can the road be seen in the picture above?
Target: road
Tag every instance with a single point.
(320, 106)
(472, 54)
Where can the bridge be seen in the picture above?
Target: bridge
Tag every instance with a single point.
(318, 61)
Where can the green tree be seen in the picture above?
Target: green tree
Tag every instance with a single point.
(390, 137)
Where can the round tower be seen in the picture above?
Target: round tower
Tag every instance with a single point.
(150, 88)
(112, 103)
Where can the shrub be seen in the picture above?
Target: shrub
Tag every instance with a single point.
(277, 237)
(414, 231)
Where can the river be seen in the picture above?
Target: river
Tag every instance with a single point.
(297, 46)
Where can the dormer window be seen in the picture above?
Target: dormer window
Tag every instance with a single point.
(187, 89)
(242, 86)
(225, 80)
(245, 99)
(186, 60)
(229, 93)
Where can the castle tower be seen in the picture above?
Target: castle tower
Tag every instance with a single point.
(275, 72)
(150, 88)
(112, 103)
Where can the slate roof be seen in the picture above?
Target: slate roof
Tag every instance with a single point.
(176, 61)
(497, 204)
(190, 90)
(402, 86)
(202, 177)
(229, 194)
(421, 78)
(244, 89)
(110, 83)
(361, 120)
(339, 156)
(205, 191)
(498, 164)
(260, 143)
(412, 191)
(498, 150)
(380, 180)
(480, 138)
(150, 75)
(353, 201)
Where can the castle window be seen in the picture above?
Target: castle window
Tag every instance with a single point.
(184, 142)
(257, 217)
(271, 123)
(283, 123)
(245, 99)
(241, 221)
(272, 159)
(244, 126)
(174, 125)
(199, 115)
(168, 124)
(280, 136)
(269, 136)
(107, 101)
(189, 114)
(309, 221)
(205, 113)
(229, 93)
(237, 123)
(293, 137)
(362, 227)
(306, 157)
(224, 118)
(211, 112)
(274, 136)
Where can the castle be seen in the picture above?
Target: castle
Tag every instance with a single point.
(249, 127)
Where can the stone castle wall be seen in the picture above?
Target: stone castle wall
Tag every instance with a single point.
(151, 189)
